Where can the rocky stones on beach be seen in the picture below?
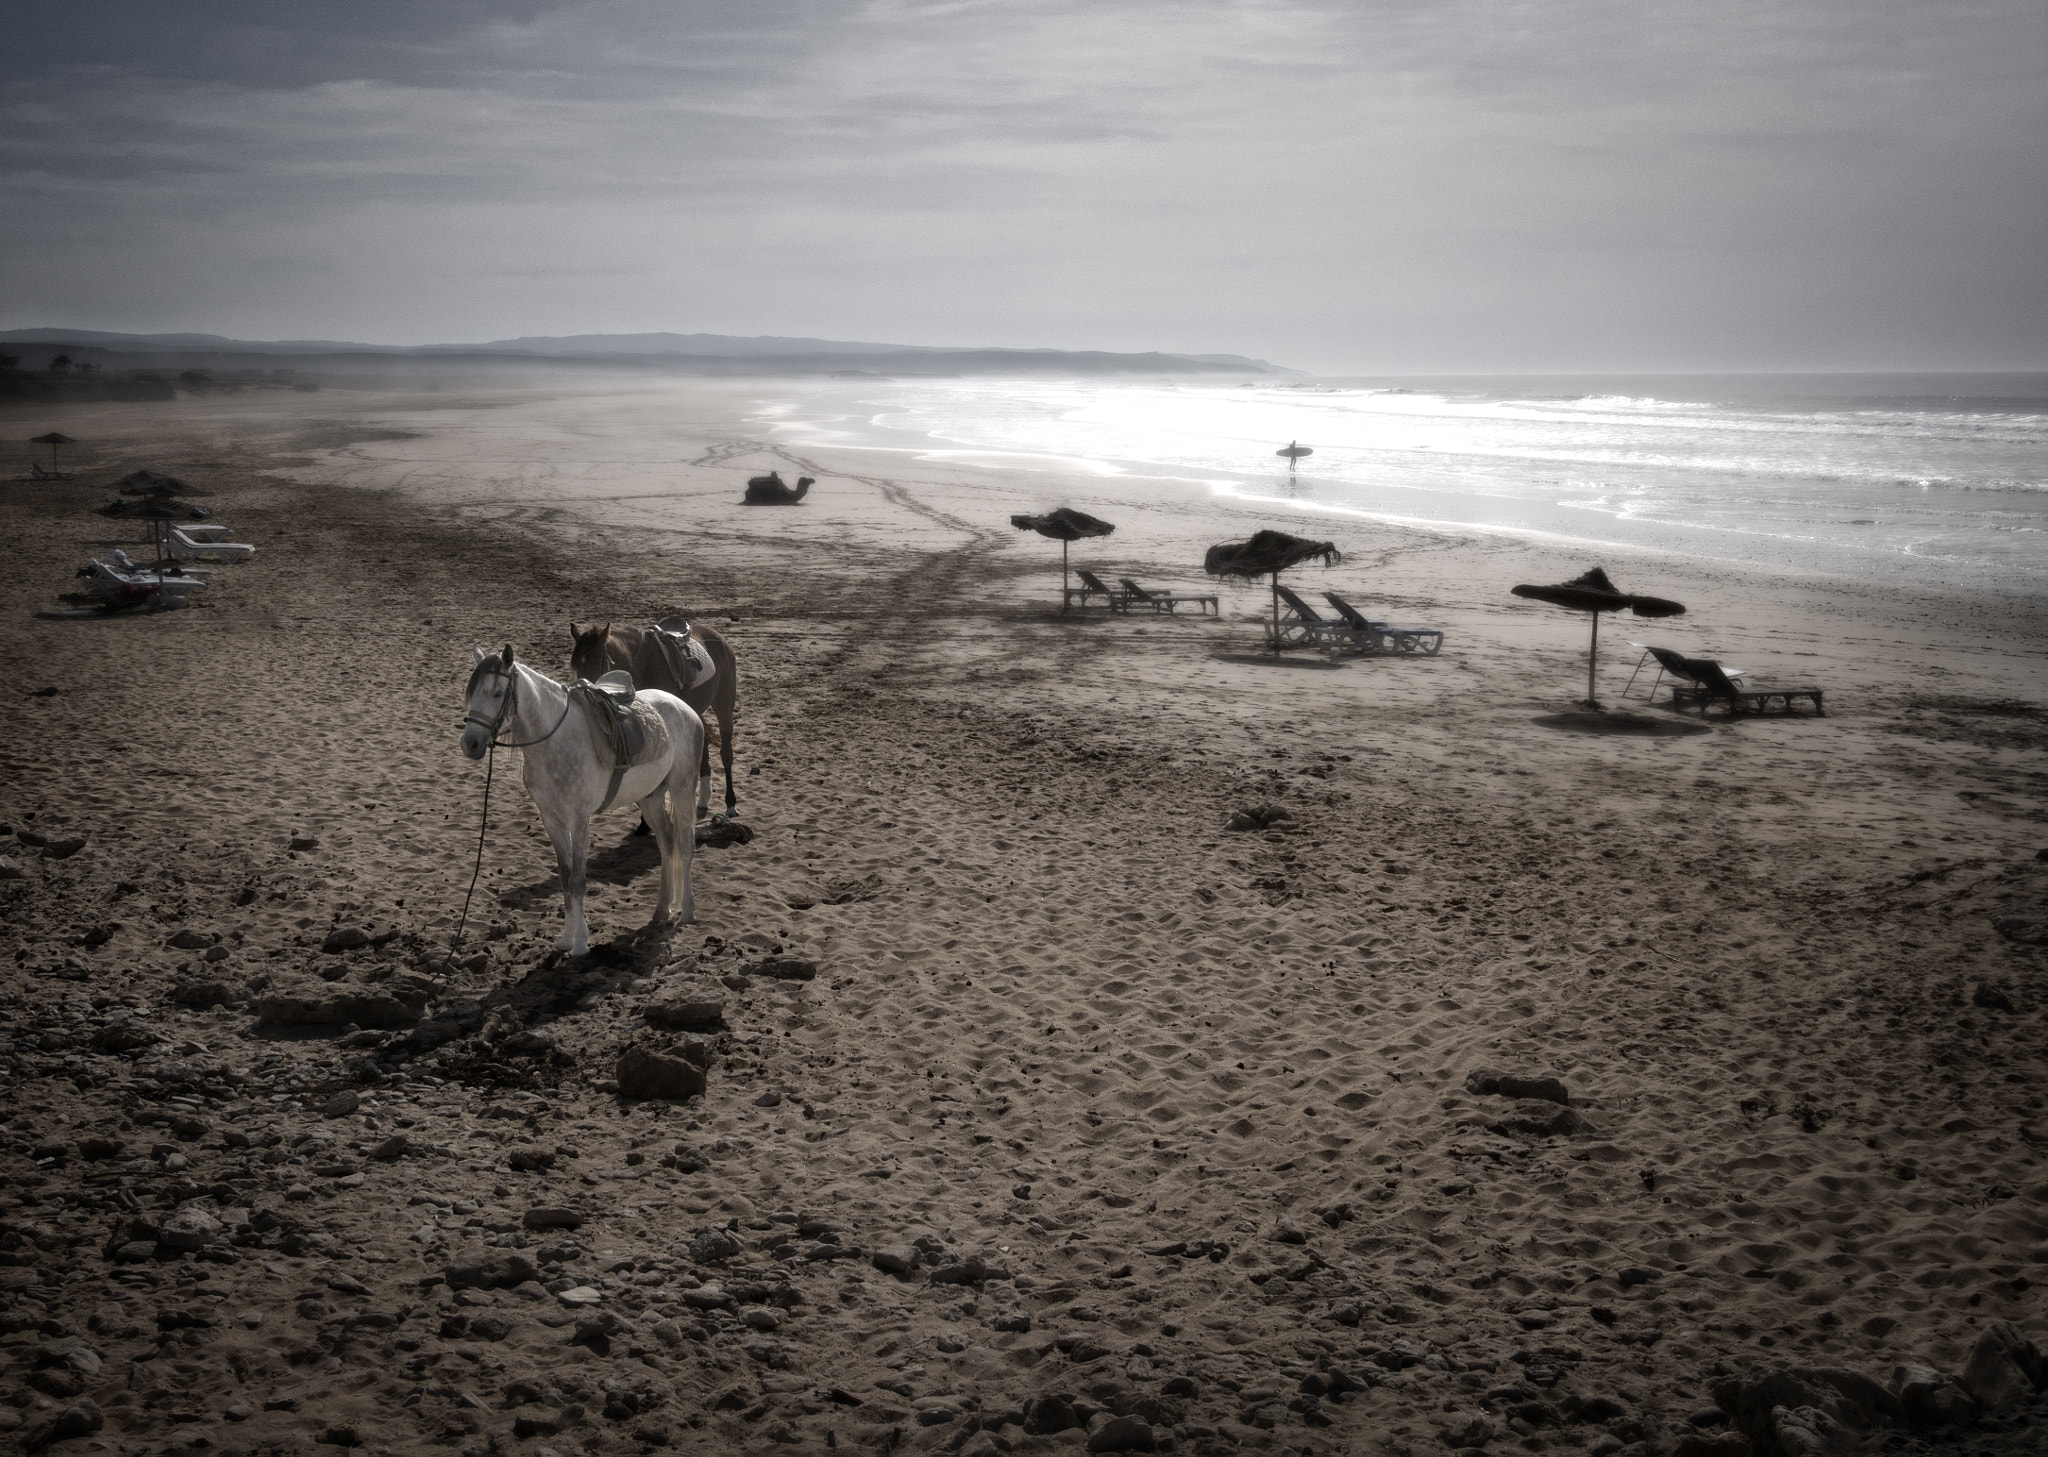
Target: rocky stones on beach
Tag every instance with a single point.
(713, 1246)
(1992, 998)
(1487, 1082)
(2004, 1368)
(500, 1271)
(895, 1259)
(203, 992)
(689, 1005)
(335, 1005)
(968, 1270)
(189, 1229)
(1806, 1409)
(552, 1217)
(2023, 930)
(79, 1419)
(1261, 817)
(720, 834)
(644, 1073)
(1930, 1397)
(345, 938)
(1121, 1434)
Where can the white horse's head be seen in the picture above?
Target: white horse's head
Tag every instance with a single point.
(491, 687)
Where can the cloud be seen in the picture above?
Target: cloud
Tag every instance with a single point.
(1341, 183)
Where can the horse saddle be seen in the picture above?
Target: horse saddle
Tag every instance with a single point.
(632, 731)
(688, 660)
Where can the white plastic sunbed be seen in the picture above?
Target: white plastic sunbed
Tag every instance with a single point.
(184, 547)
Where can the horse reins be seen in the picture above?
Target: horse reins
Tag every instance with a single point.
(511, 676)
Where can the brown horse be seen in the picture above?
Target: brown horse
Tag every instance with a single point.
(639, 651)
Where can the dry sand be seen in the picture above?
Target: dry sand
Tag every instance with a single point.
(1197, 1106)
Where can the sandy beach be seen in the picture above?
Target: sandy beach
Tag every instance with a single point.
(1040, 1105)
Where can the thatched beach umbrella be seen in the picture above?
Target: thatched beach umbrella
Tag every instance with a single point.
(1268, 554)
(1063, 524)
(54, 439)
(159, 501)
(1593, 593)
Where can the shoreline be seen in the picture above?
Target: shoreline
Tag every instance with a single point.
(1402, 476)
(1760, 954)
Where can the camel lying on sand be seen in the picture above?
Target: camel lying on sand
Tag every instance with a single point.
(769, 490)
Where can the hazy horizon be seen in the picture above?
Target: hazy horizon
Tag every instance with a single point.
(1662, 187)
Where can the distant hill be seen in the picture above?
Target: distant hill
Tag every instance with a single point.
(666, 353)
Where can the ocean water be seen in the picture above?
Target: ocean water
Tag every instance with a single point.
(1939, 480)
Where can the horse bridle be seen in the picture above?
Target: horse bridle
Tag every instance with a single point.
(498, 668)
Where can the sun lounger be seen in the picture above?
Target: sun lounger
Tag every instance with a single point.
(184, 547)
(1704, 681)
(1092, 586)
(1663, 658)
(1136, 596)
(126, 588)
(1303, 626)
(1428, 641)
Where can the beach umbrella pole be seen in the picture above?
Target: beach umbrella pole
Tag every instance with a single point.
(1063, 577)
(1276, 613)
(1592, 657)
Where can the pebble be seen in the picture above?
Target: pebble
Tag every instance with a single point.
(501, 1271)
(189, 1229)
(203, 993)
(694, 1004)
(319, 1004)
(895, 1259)
(769, 1099)
(1488, 1082)
(713, 1245)
(1122, 1434)
(644, 1073)
(341, 1104)
(552, 1218)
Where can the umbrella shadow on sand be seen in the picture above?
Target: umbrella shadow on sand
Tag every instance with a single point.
(1627, 725)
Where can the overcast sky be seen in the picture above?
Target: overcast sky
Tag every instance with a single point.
(1411, 185)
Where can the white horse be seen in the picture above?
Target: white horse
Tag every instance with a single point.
(569, 775)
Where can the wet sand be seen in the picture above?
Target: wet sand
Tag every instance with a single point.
(1208, 1108)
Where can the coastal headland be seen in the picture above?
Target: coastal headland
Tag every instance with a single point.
(1038, 1100)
